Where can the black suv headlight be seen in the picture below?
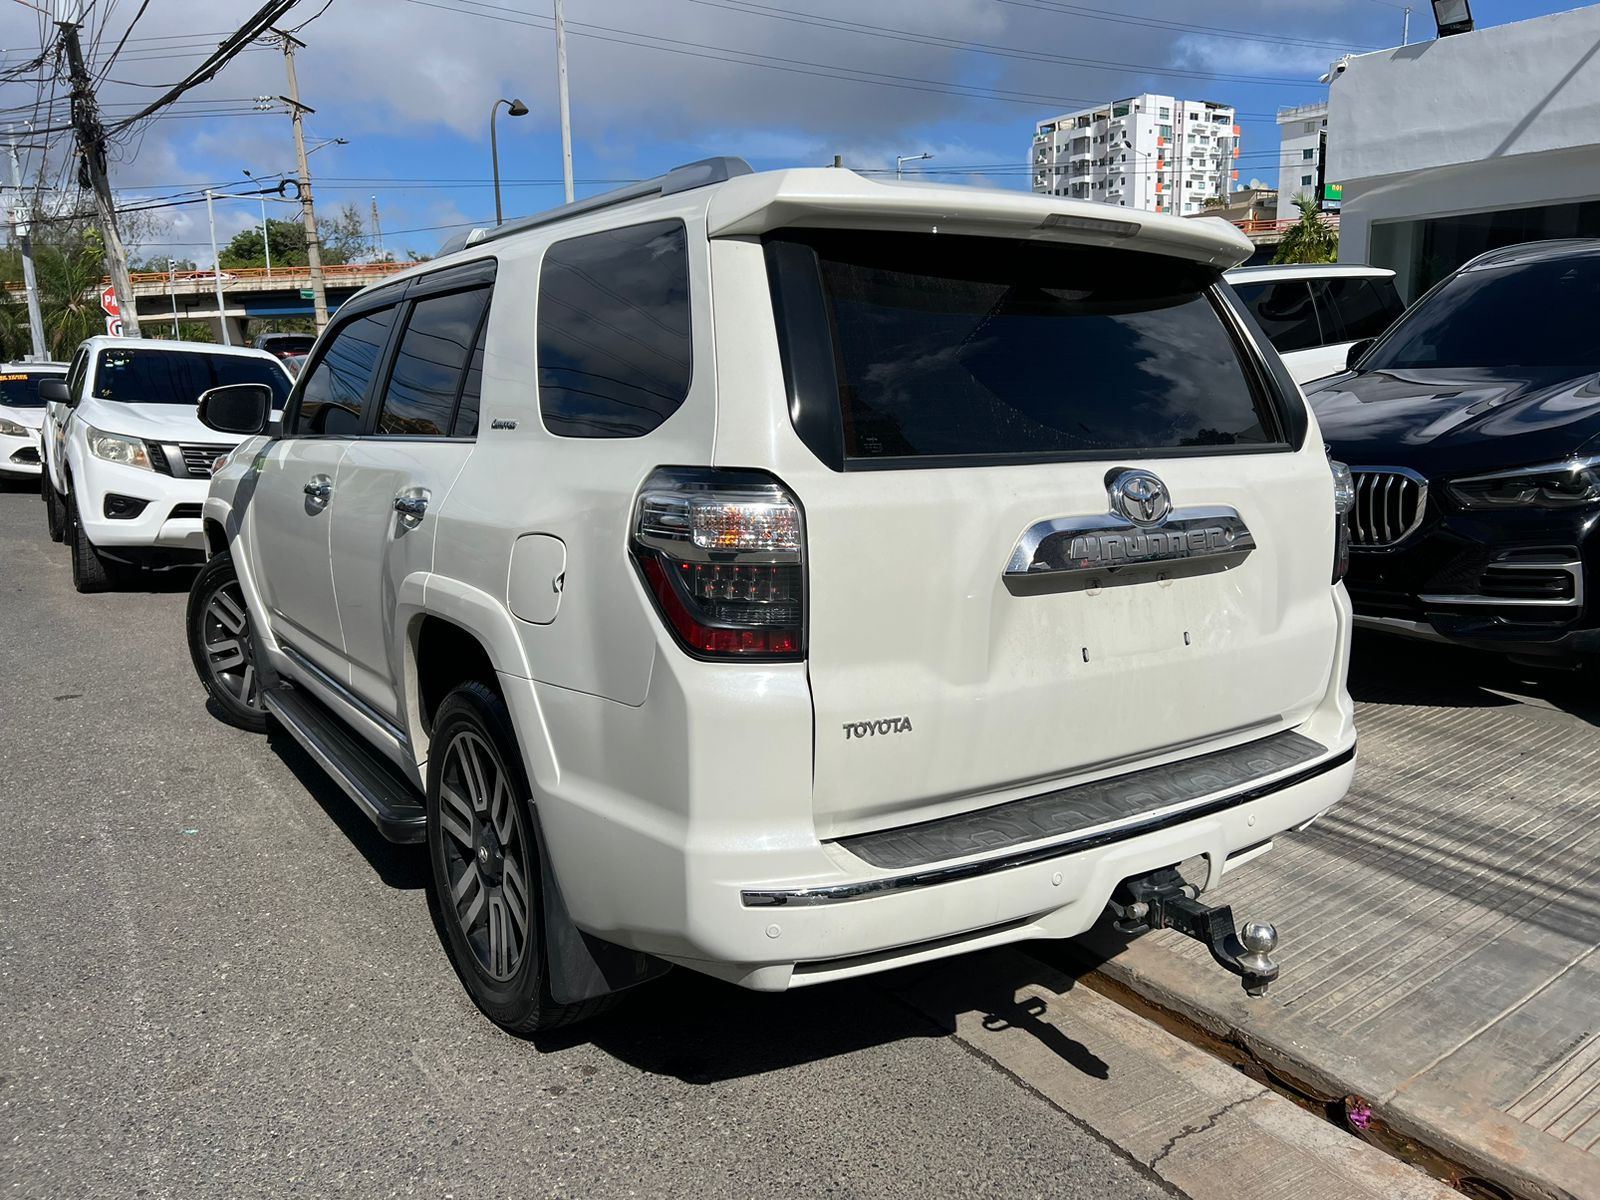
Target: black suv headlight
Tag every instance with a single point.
(1570, 484)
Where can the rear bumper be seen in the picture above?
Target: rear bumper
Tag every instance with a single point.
(731, 879)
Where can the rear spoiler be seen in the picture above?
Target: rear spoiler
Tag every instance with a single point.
(831, 198)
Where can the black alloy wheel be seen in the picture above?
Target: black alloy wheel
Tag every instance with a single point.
(483, 852)
(222, 645)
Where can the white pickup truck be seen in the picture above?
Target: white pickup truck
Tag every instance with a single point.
(127, 461)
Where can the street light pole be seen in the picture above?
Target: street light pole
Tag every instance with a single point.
(172, 290)
(514, 108)
(266, 237)
(901, 159)
(566, 111)
(216, 269)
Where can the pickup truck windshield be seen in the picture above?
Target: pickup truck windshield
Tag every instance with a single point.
(951, 347)
(20, 389)
(145, 376)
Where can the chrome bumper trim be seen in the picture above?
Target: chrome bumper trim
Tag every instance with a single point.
(1401, 626)
(862, 889)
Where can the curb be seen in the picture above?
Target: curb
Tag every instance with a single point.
(1480, 1139)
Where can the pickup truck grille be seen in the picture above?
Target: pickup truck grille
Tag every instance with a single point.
(184, 460)
(1389, 506)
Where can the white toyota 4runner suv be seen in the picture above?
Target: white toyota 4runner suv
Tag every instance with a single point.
(127, 461)
(21, 414)
(792, 576)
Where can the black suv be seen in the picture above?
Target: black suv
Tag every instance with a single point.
(1473, 431)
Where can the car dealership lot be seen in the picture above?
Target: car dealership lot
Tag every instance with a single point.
(219, 980)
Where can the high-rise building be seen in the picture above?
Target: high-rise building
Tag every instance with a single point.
(1156, 153)
(1300, 134)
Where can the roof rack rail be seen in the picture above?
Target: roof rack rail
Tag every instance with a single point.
(701, 173)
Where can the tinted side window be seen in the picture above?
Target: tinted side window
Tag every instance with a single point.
(1284, 312)
(334, 397)
(466, 422)
(421, 397)
(613, 340)
(1358, 305)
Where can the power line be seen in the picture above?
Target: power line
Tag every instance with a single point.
(1147, 22)
(258, 22)
(988, 48)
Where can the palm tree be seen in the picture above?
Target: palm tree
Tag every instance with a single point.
(69, 292)
(1310, 239)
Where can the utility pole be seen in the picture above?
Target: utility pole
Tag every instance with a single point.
(92, 174)
(1405, 28)
(308, 213)
(566, 112)
(377, 233)
(19, 228)
(216, 270)
(172, 290)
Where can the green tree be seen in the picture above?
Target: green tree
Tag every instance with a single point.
(1310, 239)
(1215, 202)
(343, 236)
(69, 275)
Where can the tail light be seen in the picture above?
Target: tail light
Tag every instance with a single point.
(1344, 499)
(722, 554)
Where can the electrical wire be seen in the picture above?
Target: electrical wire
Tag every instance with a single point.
(1146, 22)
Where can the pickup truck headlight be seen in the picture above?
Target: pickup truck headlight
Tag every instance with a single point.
(1571, 484)
(13, 428)
(113, 447)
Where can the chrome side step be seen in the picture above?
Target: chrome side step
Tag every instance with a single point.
(387, 797)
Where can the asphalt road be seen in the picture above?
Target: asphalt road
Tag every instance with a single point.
(216, 980)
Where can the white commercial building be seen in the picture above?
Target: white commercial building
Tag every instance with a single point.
(1151, 152)
(1300, 134)
(1452, 147)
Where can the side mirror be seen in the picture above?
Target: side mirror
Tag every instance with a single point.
(238, 408)
(54, 391)
(1357, 349)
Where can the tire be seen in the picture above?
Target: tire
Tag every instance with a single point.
(483, 857)
(55, 509)
(222, 645)
(90, 572)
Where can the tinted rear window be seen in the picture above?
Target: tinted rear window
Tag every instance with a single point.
(1362, 308)
(954, 347)
(1539, 314)
(1285, 313)
(142, 376)
(20, 389)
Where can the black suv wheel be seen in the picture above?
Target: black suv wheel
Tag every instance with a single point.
(484, 858)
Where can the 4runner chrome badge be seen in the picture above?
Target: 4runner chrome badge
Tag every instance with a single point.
(502, 423)
(861, 729)
(1141, 528)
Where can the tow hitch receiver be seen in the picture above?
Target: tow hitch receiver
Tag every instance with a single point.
(1162, 900)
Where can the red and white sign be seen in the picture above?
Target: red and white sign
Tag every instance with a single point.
(108, 301)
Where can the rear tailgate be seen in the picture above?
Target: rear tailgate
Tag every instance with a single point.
(984, 388)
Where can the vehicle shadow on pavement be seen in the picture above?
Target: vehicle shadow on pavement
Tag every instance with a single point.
(1389, 670)
(402, 867)
(155, 581)
(702, 1031)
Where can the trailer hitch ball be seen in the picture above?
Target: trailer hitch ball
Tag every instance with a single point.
(1260, 939)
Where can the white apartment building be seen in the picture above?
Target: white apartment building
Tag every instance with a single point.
(1300, 133)
(1151, 152)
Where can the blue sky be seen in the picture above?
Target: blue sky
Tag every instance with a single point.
(410, 84)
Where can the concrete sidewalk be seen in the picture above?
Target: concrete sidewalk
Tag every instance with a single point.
(1439, 929)
(1193, 1122)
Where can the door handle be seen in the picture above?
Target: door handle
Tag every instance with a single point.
(412, 506)
(318, 490)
